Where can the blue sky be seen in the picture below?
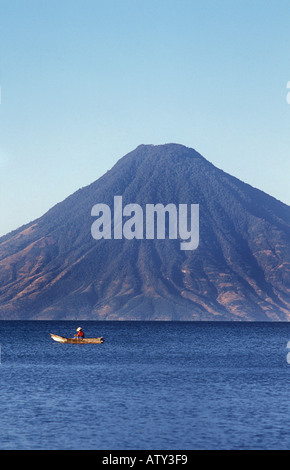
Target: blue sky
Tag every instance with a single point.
(84, 82)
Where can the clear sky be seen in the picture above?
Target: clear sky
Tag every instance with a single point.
(83, 82)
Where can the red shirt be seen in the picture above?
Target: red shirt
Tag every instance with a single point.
(81, 334)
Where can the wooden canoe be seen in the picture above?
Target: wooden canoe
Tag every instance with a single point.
(60, 339)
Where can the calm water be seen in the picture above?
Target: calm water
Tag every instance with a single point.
(165, 386)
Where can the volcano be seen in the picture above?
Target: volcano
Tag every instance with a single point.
(52, 268)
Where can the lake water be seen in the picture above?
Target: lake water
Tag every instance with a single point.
(161, 385)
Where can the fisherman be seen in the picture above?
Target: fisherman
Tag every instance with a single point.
(80, 334)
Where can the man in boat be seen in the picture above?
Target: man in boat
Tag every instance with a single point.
(80, 334)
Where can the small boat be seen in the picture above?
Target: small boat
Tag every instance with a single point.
(60, 339)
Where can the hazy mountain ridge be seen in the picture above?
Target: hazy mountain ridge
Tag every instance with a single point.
(52, 267)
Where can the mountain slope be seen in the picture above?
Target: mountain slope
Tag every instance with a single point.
(53, 268)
